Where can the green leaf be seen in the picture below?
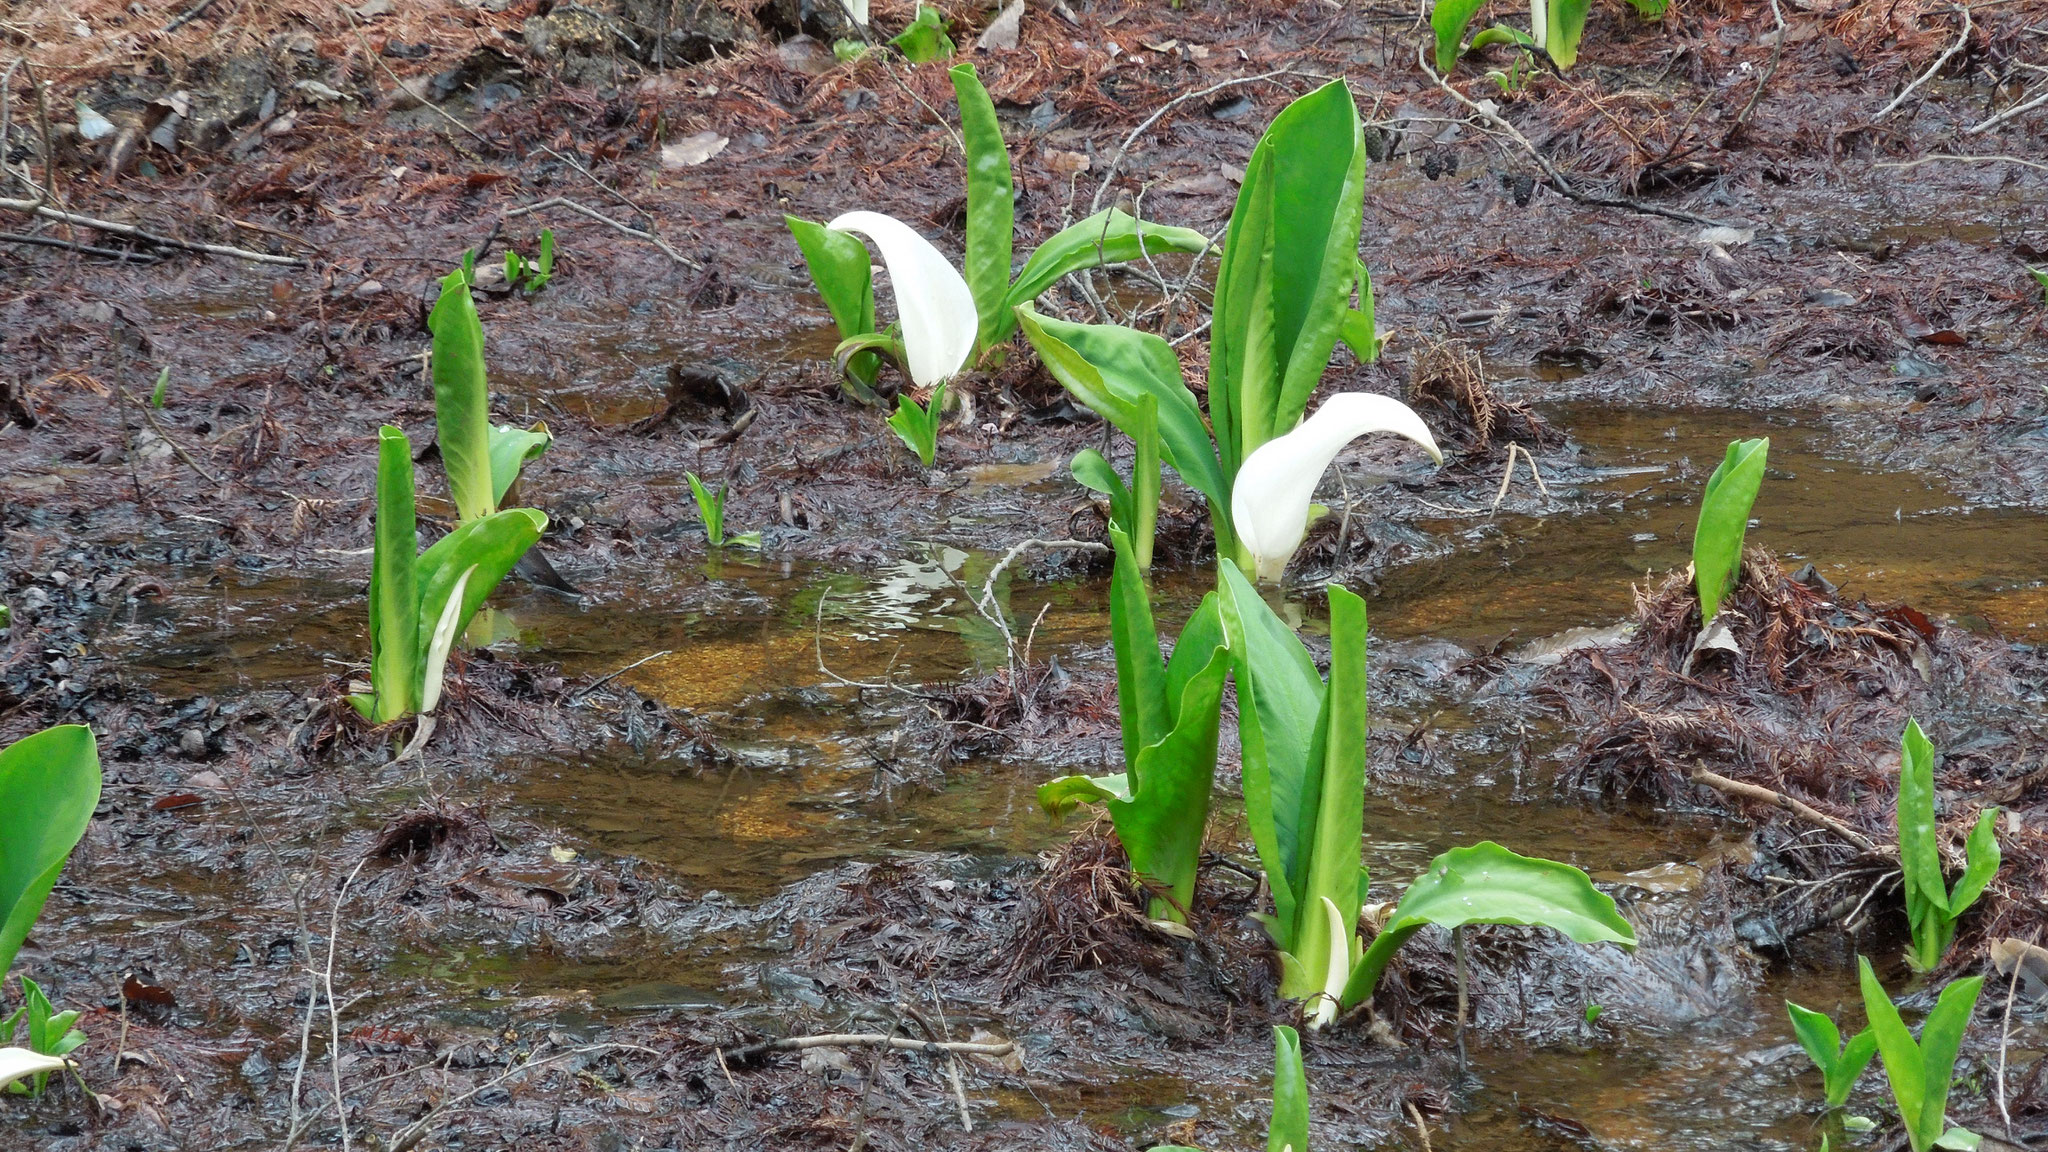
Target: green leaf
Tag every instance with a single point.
(844, 276)
(917, 425)
(1289, 1128)
(543, 268)
(1501, 34)
(1565, 21)
(471, 559)
(462, 402)
(394, 587)
(49, 786)
(2040, 276)
(1449, 19)
(1279, 704)
(1289, 262)
(991, 207)
(1107, 368)
(511, 449)
(1941, 1038)
(1111, 236)
(1062, 795)
(1982, 858)
(1141, 688)
(1145, 480)
(1839, 1066)
(1903, 1068)
(710, 509)
(1094, 473)
(925, 39)
(1162, 826)
(162, 391)
(1960, 1140)
(1487, 884)
(1724, 519)
(1650, 9)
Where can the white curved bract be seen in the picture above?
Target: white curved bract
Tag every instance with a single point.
(933, 303)
(1269, 499)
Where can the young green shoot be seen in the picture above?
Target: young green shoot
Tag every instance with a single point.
(1920, 1071)
(1839, 1064)
(925, 39)
(1287, 1131)
(482, 461)
(162, 391)
(711, 511)
(1932, 907)
(421, 601)
(1724, 519)
(50, 1035)
(917, 425)
(2040, 276)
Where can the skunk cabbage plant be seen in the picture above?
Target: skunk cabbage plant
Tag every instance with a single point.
(1932, 907)
(944, 320)
(1920, 1071)
(1283, 301)
(1171, 710)
(49, 786)
(482, 461)
(1724, 520)
(421, 601)
(1555, 28)
(1839, 1064)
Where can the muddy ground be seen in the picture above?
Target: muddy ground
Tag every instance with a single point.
(505, 975)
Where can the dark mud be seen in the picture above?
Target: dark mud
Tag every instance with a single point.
(559, 922)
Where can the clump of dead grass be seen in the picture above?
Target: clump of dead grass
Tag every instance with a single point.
(1450, 378)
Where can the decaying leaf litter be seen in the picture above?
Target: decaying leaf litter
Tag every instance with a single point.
(1862, 294)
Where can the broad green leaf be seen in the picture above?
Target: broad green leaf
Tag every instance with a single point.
(1111, 236)
(492, 547)
(1449, 19)
(1903, 1067)
(49, 786)
(1292, 247)
(1289, 1127)
(991, 207)
(843, 274)
(543, 269)
(1487, 884)
(1565, 21)
(1107, 367)
(1335, 872)
(1279, 702)
(1501, 34)
(1093, 472)
(1941, 1038)
(1960, 1140)
(1724, 519)
(1839, 1066)
(1141, 690)
(462, 402)
(511, 449)
(925, 39)
(394, 584)
(1062, 795)
(1982, 857)
(1161, 827)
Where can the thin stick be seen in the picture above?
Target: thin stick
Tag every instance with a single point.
(1421, 1129)
(604, 680)
(873, 1039)
(1811, 815)
(2009, 113)
(334, 1012)
(74, 246)
(1993, 159)
(1777, 50)
(36, 208)
(2005, 1041)
(594, 214)
(1932, 71)
(1458, 954)
(1550, 172)
(176, 447)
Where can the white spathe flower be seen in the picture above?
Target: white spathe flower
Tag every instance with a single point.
(1269, 500)
(857, 10)
(1339, 972)
(20, 1063)
(933, 303)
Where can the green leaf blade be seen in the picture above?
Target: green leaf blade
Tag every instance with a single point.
(1289, 1127)
(49, 786)
(462, 399)
(991, 205)
(1724, 520)
(394, 585)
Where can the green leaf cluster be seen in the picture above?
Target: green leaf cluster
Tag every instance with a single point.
(50, 1033)
(1724, 520)
(482, 461)
(917, 425)
(421, 601)
(532, 275)
(1555, 28)
(1171, 710)
(49, 786)
(1920, 1071)
(1839, 1064)
(711, 511)
(1932, 907)
(924, 39)
(1283, 297)
(841, 271)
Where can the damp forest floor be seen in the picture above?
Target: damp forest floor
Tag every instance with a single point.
(693, 799)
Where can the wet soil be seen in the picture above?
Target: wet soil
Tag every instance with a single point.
(713, 796)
